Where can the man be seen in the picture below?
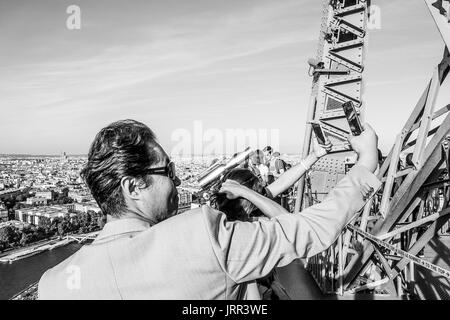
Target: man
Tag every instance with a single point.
(254, 162)
(277, 166)
(267, 158)
(145, 251)
(267, 154)
(257, 165)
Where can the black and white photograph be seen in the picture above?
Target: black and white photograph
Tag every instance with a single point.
(243, 150)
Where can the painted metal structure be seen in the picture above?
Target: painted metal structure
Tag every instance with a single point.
(380, 250)
(337, 78)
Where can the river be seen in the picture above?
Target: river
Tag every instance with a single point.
(18, 275)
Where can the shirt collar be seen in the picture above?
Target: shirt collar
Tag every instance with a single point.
(121, 226)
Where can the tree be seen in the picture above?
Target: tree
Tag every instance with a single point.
(39, 234)
(21, 198)
(46, 225)
(75, 223)
(101, 221)
(86, 219)
(65, 192)
(98, 220)
(11, 215)
(9, 235)
(61, 229)
(55, 224)
(63, 225)
(25, 239)
(10, 203)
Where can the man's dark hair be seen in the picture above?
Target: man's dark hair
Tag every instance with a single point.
(124, 148)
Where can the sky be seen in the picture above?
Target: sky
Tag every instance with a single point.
(229, 64)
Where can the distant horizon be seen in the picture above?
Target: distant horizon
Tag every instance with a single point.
(85, 155)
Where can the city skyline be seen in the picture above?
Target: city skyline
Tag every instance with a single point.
(230, 65)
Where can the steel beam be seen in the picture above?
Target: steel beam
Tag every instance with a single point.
(403, 197)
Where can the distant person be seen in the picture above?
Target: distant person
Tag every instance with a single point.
(145, 251)
(258, 166)
(266, 158)
(267, 154)
(253, 163)
(277, 166)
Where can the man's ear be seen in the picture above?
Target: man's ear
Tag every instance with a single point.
(130, 188)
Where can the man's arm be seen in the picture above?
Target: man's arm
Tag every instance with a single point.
(268, 207)
(288, 178)
(248, 251)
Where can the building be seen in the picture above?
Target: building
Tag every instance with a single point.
(12, 223)
(3, 215)
(64, 158)
(10, 193)
(33, 215)
(85, 207)
(184, 198)
(47, 194)
(79, 197)
(37, 201)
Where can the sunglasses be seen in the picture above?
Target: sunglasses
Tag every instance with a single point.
(168, 171)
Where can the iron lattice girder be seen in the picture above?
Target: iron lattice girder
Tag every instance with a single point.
(415, 179)
(338, 80)
(407, 256)
(341, 47)
(409, 189)
(421, 242)
(440, 11)
(404, 196)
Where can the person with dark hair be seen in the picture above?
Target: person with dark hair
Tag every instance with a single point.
(238, 209)
(146, 251)
(123, 157)
(258, 167)
(277, 166)
(267, 154)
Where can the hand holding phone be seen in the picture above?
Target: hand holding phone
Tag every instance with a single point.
(352, 118)
(320, 135)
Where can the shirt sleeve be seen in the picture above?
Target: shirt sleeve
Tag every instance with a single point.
(250, 250)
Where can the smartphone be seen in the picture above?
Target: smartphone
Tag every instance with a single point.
(352, 118)
(320, 135)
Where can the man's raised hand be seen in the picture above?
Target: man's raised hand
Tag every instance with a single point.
(232, 189)
(321, 150)
(366, 146)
